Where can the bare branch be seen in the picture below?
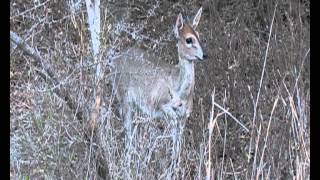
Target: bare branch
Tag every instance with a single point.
(47, 74)
(235, 119)
(31, 9)
(93, 10)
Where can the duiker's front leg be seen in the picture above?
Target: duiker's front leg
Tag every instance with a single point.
(181, 111)
(169, 111)
(127, 116)
(189, 106)
(181, 107)
(176, 108)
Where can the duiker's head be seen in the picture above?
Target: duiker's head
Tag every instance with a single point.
(189, 46)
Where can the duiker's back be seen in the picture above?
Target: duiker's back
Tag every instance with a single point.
(138, 62)
(139, 80)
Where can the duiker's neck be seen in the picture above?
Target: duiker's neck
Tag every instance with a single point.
(186, 77)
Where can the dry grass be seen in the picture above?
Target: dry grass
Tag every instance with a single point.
(257, 77)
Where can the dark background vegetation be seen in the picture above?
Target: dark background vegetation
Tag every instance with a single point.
(48, 141)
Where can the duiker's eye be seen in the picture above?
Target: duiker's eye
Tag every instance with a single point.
(189, 40)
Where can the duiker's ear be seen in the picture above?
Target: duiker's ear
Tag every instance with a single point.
(179, 25)
(196, 18)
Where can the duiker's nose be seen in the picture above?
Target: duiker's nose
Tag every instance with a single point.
(205, 55)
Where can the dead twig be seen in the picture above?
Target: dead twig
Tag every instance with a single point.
(46, 74)
(234, 118)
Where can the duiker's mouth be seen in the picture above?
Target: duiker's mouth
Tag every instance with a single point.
(204, 56)
(200, 59)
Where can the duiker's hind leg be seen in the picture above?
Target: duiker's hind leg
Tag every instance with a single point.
(127, 116)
